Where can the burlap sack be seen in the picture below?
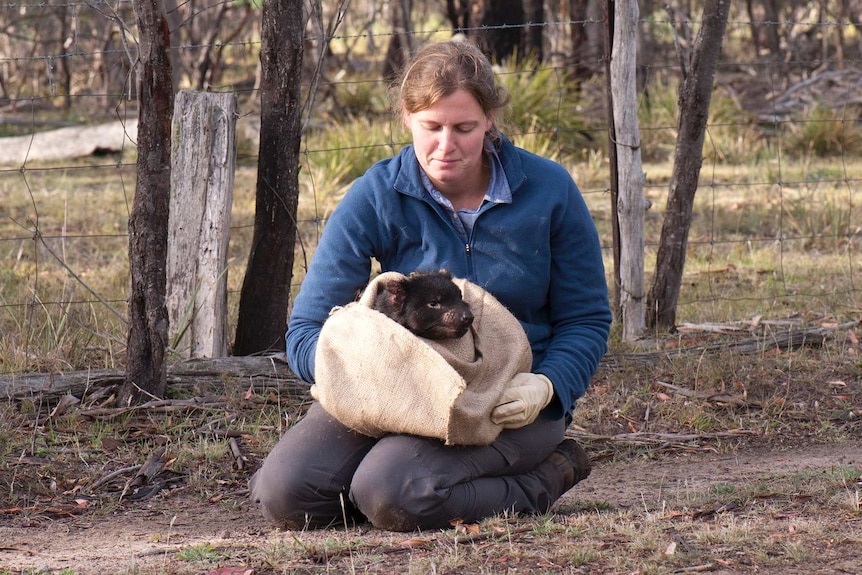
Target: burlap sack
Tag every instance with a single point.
(376, 377)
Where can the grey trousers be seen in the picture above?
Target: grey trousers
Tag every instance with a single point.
(321, 473)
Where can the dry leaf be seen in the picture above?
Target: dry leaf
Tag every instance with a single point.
(671, 549)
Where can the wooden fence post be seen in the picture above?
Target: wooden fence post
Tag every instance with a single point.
(202, 175)
(631, 204)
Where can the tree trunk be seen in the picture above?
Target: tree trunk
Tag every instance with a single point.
(148, 223)
(613, 161)
(694, 98)
(630, 206)
(532, 37)
(579, 38)
(266, 287)
(499, 31)
(400, 47)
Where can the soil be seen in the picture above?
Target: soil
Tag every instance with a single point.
(147, 536)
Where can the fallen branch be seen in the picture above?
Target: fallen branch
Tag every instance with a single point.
(642, 438)
(155, 406)
(713, 397)
(261, 374)
(265, 374)
(238, 456)
(106, 478)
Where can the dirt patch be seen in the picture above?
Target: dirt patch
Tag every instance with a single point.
(177, 532)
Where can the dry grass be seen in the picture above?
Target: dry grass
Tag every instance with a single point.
(729, 503)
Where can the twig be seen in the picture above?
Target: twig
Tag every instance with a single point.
(473, 537)
(151, 467)
(716, 397)
(645, 438)
(238, 456)
(159, 405)
(110, 476)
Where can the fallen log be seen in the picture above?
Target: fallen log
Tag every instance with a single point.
(261, 373)
(69, 142)
(271, 372)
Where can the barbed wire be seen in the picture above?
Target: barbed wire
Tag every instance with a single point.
(37, 245)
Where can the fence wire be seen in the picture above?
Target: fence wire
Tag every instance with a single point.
(776, 230)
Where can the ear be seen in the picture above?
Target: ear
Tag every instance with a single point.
(397, 291)
(489, 122)
(445, 273)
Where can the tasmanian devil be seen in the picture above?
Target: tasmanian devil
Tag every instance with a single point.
(429, 304)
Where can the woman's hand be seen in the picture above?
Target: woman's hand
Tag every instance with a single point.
(525, 396)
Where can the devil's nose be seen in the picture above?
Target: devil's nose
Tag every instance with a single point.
(468, 317)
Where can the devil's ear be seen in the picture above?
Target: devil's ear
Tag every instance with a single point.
(396, 292)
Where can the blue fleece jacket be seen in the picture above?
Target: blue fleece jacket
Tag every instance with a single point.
(538, 255)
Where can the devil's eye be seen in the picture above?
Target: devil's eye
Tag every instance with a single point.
(433, 304)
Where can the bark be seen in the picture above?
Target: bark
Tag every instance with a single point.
(630, 206)
(578, 10)
(266, 287)
(613, 162)
(499, 31)
(203, 165)
(148, 223)
(532, 36)
(694, 98)
(400, 46)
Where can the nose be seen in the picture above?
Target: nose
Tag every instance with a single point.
(447, 139)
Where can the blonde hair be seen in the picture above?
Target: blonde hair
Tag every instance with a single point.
(438, 70)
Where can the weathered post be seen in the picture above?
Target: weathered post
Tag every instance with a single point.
(630, 178)
(202, 176)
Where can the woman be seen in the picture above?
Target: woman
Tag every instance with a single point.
(461, 197)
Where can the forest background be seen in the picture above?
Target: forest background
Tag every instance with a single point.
(759, 376)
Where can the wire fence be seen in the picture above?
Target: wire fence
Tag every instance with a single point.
(776, 230)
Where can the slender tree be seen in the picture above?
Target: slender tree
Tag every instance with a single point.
(266, 287)
(146, 370)
(694, 97)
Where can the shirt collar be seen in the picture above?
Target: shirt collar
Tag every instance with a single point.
(498, 190)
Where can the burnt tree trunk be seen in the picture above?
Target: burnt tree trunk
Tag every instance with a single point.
(401, 44)
(532, 36)
(581, 70)
(694, 97)
(500, 23)
(266, 287)
(458, 12)
(148, 222)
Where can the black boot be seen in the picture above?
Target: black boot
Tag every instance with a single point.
(573, 460)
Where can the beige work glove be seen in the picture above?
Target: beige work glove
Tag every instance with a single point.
(526, 395)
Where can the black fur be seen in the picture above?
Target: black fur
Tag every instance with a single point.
(429, 304)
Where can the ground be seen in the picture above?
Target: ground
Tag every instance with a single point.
(177, 532)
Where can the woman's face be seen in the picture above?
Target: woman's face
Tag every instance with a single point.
(449, 139)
